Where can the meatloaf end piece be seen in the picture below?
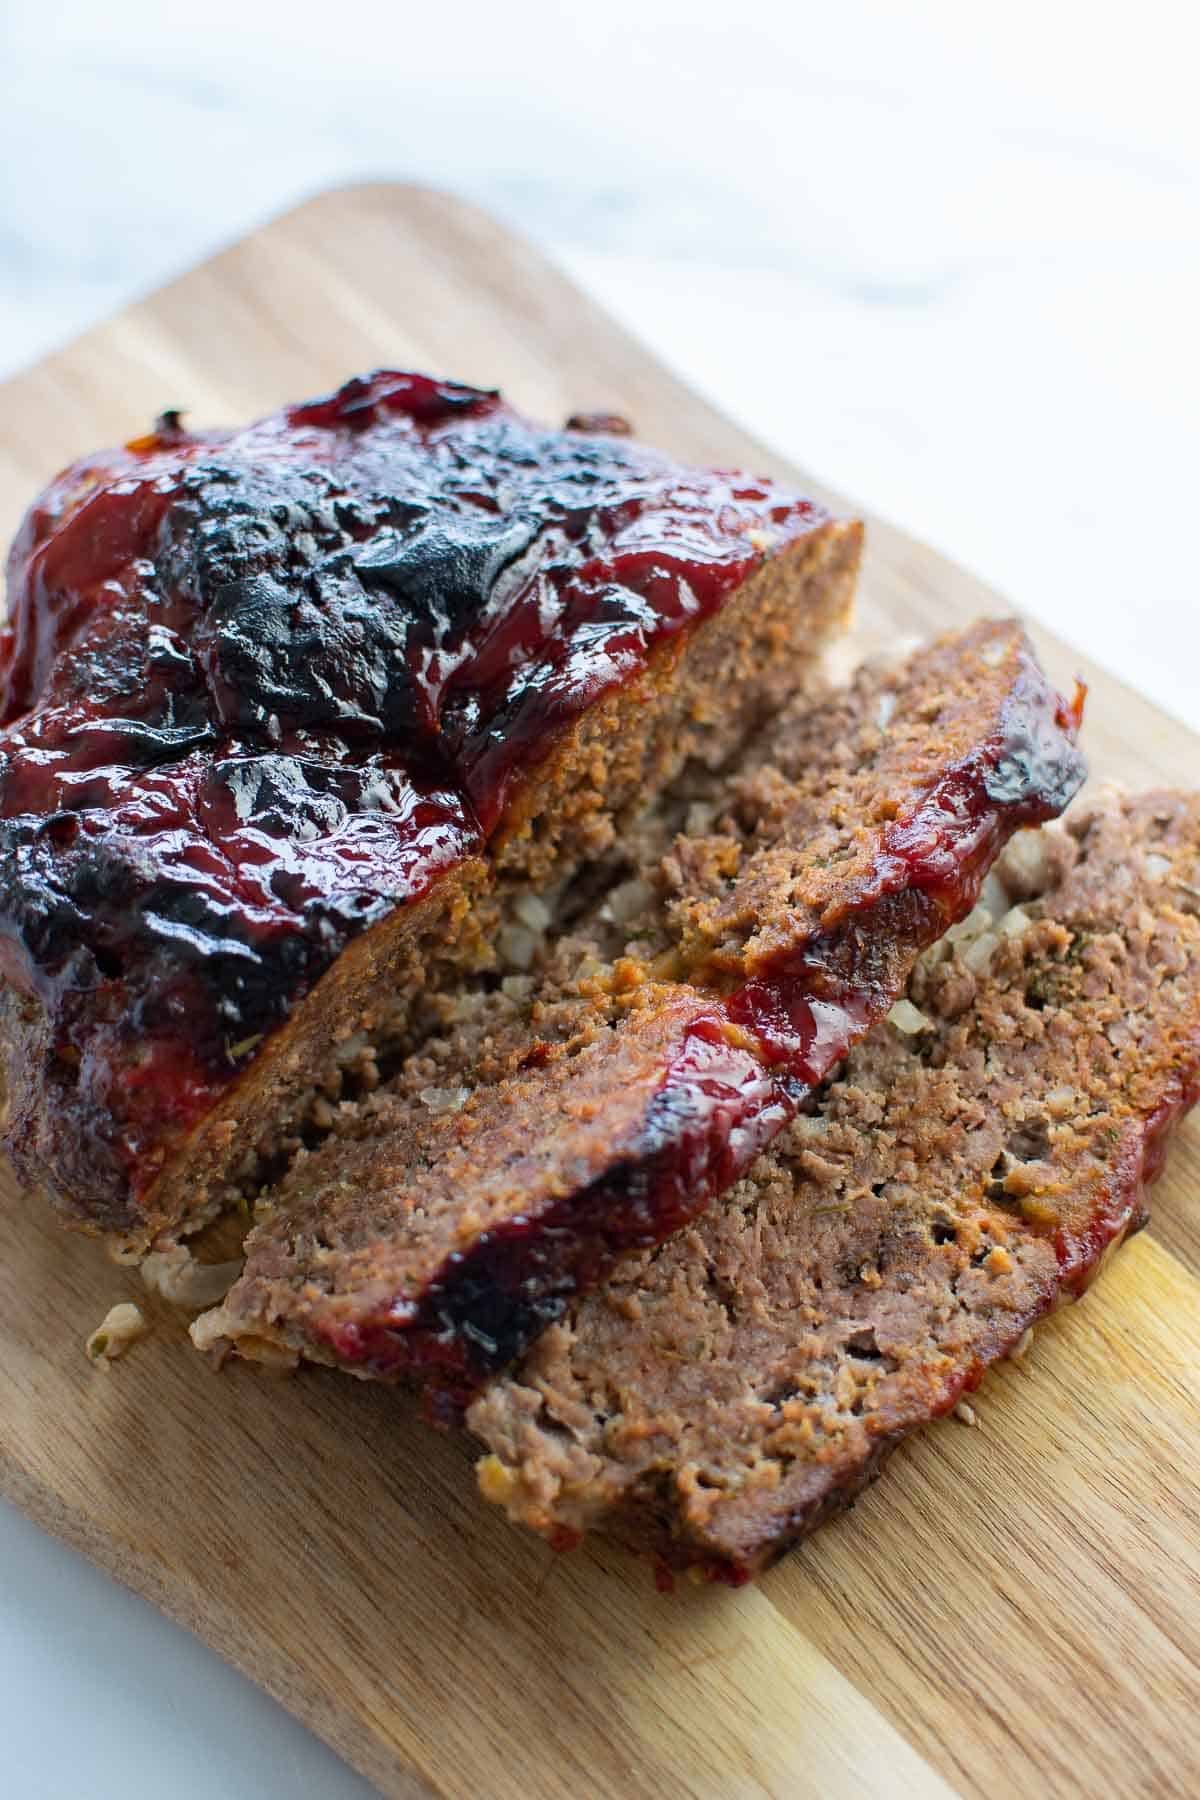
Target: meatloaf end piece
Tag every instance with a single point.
(968, 1170)
(282, 706)
(638, 1082)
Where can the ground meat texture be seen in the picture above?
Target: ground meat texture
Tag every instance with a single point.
(606, 1107)
(283, 706)
(718, 1397)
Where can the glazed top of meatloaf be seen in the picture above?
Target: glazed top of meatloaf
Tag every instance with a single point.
(261, 686)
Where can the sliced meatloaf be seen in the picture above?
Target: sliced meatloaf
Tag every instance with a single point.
(282, 706)
(664, 1047)
(966, 1172)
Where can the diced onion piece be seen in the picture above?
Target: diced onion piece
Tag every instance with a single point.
(181, 1279)
(628, 900)
(977, 921)
(908, 1018)
(444, 1099)
(517, 946)
(121, 1326)
(533, 912)
(1024, 864)
(978, 954)
(993, 896)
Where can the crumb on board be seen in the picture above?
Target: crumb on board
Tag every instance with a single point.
(121, 1326)
(183, 1280)
(214, 1335)
(496, 1483)
(966, 1413)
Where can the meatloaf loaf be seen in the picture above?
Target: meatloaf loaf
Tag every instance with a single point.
(281, 706)
(966, 1172)
(606, 1107)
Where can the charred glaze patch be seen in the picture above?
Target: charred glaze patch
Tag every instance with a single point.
(262, 687)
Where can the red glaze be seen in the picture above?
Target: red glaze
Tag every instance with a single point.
(261, 687)
(741, 1069)
(1081, 1246)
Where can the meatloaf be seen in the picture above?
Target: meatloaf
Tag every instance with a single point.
(281, 709)
(606, 1107)
(968, 1170)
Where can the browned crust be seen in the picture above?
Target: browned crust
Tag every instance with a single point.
(698, 694)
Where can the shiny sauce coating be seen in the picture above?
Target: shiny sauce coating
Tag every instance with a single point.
(260, 688)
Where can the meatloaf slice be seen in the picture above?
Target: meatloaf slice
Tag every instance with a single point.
(648, 1071)
(967, 1171)
(281, 706)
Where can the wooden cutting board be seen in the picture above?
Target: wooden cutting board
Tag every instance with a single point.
(1012, 1610)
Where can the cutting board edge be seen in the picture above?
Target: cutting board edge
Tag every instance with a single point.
(177, 1598)
(154, 1581)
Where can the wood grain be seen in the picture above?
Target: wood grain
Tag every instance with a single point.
(1015, 1609)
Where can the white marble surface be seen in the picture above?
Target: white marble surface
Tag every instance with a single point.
(945, 255)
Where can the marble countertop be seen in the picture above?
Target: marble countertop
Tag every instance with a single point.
(946, 257)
